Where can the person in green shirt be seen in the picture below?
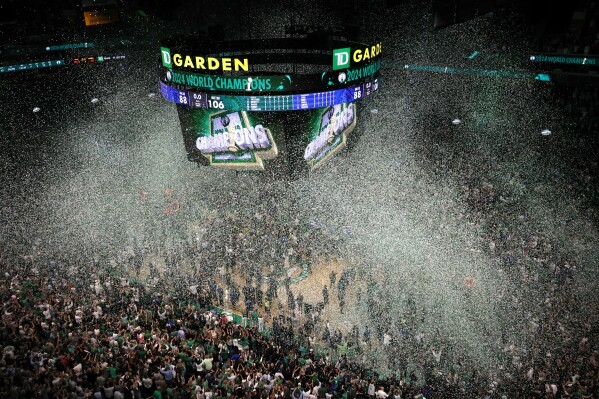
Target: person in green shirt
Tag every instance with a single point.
(224, 355)
(141, 352)
(209, 347)
(322, 391)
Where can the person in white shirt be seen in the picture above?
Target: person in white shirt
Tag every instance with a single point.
(206, 364)
(381, 394)
(315, 389)
(371, 389)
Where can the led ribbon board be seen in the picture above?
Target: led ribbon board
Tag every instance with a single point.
(284, 102)
(287, 83)
(201, 54)
(563, 59)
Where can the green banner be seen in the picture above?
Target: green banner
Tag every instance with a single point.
(229, 83)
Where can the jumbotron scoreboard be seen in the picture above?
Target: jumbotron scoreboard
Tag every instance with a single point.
(275, 102)
(235, 98)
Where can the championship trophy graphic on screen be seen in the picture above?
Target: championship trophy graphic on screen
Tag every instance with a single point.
(231, 141)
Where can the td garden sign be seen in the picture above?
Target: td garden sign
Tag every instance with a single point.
(344, 57)
(187, 61)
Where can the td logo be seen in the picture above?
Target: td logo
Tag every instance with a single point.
(166, 57)
(340, 58)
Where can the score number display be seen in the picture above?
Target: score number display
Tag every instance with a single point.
(288, 102)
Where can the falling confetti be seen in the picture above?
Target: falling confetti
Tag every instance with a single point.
(401, 219)
(469, 281)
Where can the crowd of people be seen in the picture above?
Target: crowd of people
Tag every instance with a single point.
(132, 328)
(143, 324)
(115, 339)
(548, 302)
(70, 334)
(140, 324)
(563, 360)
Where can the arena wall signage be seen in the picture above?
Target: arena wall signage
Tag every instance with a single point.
(101, 17)
(329, 133)
(563, 59)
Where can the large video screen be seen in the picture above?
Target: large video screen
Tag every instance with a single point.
(327, 132)
(237, 140)
(243, 140)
